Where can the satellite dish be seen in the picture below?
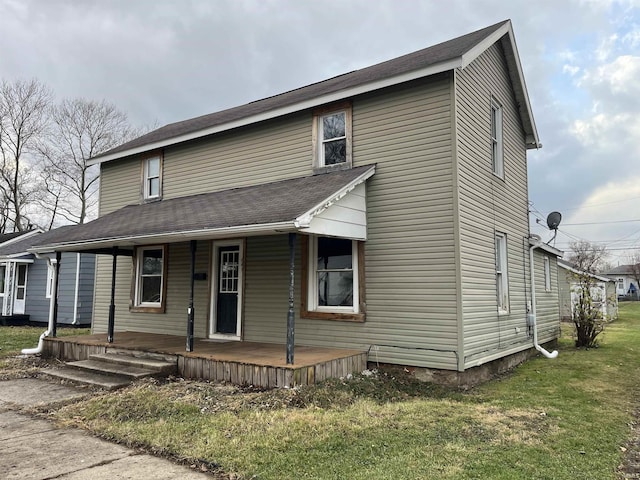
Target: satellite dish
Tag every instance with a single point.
(553, 220)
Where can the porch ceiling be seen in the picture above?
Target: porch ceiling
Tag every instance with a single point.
(324, 203)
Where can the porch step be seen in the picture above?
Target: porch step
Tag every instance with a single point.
(109, 382)
(114, 369)
(160, 366)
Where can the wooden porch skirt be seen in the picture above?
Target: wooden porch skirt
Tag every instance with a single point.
(240, 363)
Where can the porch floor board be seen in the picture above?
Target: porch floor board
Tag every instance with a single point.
(255, 363)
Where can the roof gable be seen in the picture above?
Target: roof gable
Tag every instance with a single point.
(456, 53)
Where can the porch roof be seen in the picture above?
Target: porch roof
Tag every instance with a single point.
(331, 204)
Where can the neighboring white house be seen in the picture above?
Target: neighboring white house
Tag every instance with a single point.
(626, 282)
(603, 292)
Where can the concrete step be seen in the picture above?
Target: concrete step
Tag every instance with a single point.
(115, 369)
(147, 363)
(109, 382)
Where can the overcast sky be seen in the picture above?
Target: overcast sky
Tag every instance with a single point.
(162, 61)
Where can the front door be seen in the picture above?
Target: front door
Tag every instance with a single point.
(227, 290)
(20, 289)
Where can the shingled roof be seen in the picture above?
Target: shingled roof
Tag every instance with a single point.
(266, 208)
(438, 58)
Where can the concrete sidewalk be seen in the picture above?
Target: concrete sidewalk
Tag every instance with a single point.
(37, 449)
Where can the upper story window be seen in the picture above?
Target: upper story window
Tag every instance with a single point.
(497, 154)
(547, 274)
(152, 174)
(150, 271)
(332, 136)
(502, 281)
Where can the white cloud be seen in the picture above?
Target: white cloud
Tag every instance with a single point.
(571, 70)
(620, 77)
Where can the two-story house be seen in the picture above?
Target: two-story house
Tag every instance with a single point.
(384, 210)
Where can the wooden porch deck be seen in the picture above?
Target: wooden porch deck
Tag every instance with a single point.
(242, 363)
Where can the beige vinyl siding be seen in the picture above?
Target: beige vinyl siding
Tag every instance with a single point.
(174, 320)
(488, 204)
(547, 306)
(409, 254)
(262, 153)
(120, 184)
(410, 270)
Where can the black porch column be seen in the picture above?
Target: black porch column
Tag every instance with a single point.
(190, 310)
(112, 305)
(291, 314)
(54, 328)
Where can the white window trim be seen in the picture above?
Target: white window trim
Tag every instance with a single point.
(497, 144)
(502, 276)
(139, 256)
(145, 176)
(547, 274)
(312, 290)
(51, 269)
(4, 280)
(318, 141)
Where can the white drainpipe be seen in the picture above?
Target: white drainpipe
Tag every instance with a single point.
(46, 333)
(532, 315)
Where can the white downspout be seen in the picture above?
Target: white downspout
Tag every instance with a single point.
(46, 333)
(532, 314)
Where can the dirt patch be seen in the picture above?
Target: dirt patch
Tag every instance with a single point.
(630, 466)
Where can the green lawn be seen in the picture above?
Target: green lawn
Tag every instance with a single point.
(14, 339)
(565, 418)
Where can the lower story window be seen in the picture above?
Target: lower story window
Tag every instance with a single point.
(334, 277)
(150, 275)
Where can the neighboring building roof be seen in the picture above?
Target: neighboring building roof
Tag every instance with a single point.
(621, 270)
(5, 237)
(571, 268)
(21, 246)
(456, 53)
(278, 207)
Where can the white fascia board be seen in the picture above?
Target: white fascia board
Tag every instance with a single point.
(481, 47)
(182, 236)
(532, 139)
(16, 257)
(304, 220)
(546, 248)
(314, 102)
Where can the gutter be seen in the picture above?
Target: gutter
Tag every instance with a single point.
(54, 289)
(531, 317)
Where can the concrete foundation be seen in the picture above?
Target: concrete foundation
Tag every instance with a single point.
(476, 375)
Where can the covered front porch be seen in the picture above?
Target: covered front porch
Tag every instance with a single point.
(242, 363)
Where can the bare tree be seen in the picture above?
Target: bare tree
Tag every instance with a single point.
(23, 121)
(81, 129)
(588, 319)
